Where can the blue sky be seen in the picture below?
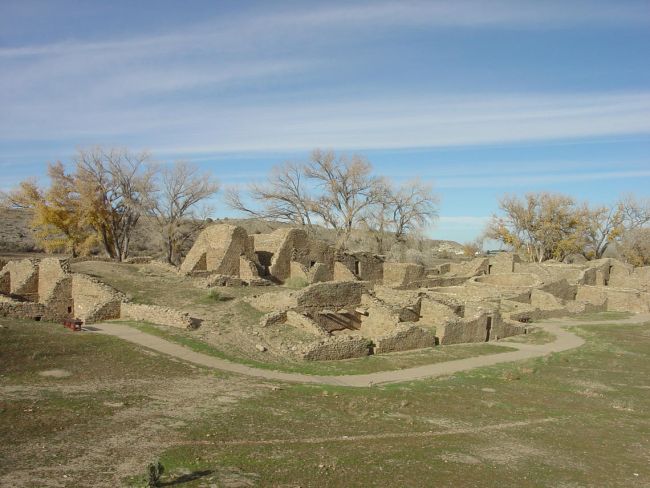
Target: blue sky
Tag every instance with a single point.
(480, 98)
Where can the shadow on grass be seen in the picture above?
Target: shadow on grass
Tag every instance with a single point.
(186, 478)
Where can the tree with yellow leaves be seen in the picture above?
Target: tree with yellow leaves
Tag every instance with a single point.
(57, 213)
(544, 225)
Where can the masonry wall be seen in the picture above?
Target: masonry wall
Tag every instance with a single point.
(94, 301)
(22, 310)
(615, 299)
(401, 274)
(55, 288)
(475, 329)
(5, 281)
(334, 348)
(503, 263)
(333, 295)
(343, 273)
(218, 248)
(404, 338)
(24, 278)
(277, 249)
(156, 315)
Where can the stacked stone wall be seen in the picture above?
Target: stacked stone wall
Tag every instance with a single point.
(405, 337)
(334, 348)
(401, 274)
(156, 314)
(93, 300)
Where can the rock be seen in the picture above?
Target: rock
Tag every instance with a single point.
(260, 347)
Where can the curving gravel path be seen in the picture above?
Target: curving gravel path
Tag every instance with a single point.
(564, 340)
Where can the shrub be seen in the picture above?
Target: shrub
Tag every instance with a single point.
(296, 283)
(217, 296)
(154, 472)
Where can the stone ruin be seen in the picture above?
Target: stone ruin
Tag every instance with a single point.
(354, 304)
(357, 304)
(46, 289)
(227, 250)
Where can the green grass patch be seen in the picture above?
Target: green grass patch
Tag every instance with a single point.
(534, 336)
(368, 364)
(214, 296)
(602, 316)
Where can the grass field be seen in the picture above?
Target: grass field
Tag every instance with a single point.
(88, 410)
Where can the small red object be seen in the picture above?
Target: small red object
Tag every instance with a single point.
(73, 324)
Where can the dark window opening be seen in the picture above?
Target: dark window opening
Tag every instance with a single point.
(37, 318)
(488, 328)
(312, 264)
(489, 269)
(357, 268)
(69, 309)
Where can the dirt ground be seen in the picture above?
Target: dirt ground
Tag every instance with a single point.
(81, 410)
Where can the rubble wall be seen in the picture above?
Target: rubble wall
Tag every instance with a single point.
(22, 310)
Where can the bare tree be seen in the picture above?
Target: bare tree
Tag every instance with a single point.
(400, 212)
(636, 213)
(115, 186)
(282, 197)
(414, 206)
(609, 223)
(181, 189)
(346, 189)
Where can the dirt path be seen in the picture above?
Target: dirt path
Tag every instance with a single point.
(564, 340)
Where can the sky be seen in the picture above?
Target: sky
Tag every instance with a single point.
(478, 98)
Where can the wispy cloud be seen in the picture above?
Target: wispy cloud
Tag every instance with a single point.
(541, 179)
(374, 122)
(208, 87)
(266, 24)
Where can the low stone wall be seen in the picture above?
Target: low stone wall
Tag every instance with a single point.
(404, 338)
(334, 295)
(139, 260)
(615, 299)
(341, 347)
(22, 310)
(273, 318)
(436, 282)
(156, 315)
(475, 329)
